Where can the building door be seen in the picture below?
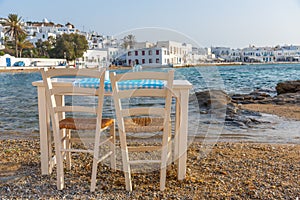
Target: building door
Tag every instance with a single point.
(8, 62)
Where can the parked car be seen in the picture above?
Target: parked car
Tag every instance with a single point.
(19, 64)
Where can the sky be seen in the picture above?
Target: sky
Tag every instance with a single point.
(228, 23)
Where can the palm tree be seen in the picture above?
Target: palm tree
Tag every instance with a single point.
(14, 28)
(24, 44)
(129, 41)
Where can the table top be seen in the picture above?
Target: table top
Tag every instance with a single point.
(123, 85)
(177, 84)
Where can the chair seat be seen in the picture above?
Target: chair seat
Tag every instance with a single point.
(144, 124)
(83, 123)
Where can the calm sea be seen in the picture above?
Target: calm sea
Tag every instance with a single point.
(19, 114)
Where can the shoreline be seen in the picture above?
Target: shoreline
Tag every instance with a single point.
(222, 170)
(286, 111)
(36, 69)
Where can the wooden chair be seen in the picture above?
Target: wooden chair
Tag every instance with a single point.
(92, 119)
(143, 118)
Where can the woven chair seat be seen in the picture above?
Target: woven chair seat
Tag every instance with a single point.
(83, 123)
(144, 124)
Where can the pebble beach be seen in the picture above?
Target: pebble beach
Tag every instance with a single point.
(222, 170)
(228, 171)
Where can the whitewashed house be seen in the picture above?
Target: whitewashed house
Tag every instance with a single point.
(198, 55)
(43, 30)
(98, 41)
(177, 51)
(155, 56)
(257, 54)
(112, 53)
(226, 54)
(93, 58)
(288, 53)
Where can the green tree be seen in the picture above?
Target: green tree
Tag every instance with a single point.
(23, 44)
(69, 46)
(129, 41)
(13, 28)
(43, 48)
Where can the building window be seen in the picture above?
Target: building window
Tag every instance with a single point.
(165, 52)
(129, 62)
(150, 60)
(150, 52)
(136, 53)
(143, 60)
(157, 52)
(143, 53)
(157, 60)
(129, 53)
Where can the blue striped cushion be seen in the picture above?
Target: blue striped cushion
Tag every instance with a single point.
(123, 85)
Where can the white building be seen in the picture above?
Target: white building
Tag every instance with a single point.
(197, 56)
(112, 53)
(287, 53)
(43, 30)
(177, 51)
(226, 54)
(257, 54)
(93, 59)
(156, 56)
(98, 41)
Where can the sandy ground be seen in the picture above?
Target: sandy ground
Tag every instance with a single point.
(288, 111)
(214, 171)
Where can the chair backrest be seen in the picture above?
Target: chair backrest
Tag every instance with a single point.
(68, 89)
(142, 109)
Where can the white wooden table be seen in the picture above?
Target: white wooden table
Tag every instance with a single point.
(181, 93)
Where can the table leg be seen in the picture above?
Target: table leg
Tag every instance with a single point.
(177, 129)
(183, 133)
(45, 135)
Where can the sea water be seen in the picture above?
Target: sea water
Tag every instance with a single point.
(19, 109)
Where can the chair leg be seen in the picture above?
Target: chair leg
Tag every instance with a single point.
(95, 161)
(169, 162)
(68, 146)
(163, 168)
(125, 160)
(164, 159)
(113, 147)
(127, 174)
(94, 174)
(59, 160)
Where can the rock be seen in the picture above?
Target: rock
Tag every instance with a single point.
(219, 103)
(288, 87)
(212, 98)
(257, 96)
(287, 98)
